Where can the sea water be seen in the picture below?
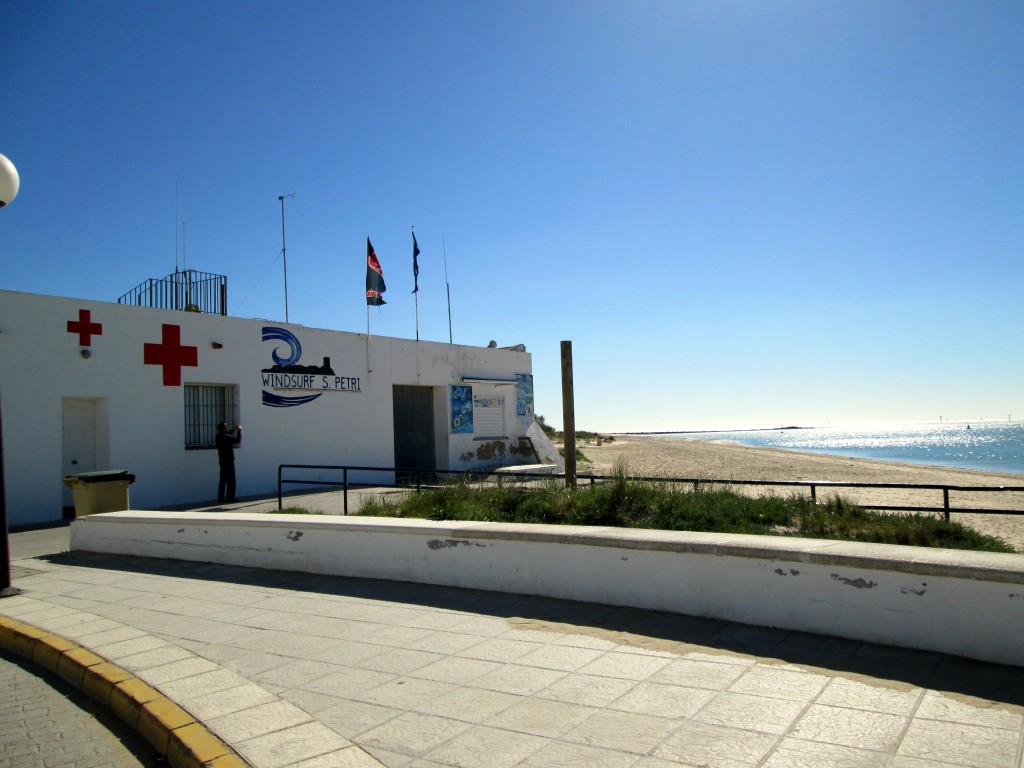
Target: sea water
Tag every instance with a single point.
(990, 446)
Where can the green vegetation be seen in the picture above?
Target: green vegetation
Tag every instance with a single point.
(582, 436)
(581, 458)
(627, 503)
(548, 430)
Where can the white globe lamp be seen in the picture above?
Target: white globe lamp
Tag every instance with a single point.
(9, 181)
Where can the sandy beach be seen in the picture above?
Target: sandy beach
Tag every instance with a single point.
(719, 460)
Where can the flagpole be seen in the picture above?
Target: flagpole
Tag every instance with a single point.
(416, 292)
(375, 288)
(284, 254)
(368, 315)
(447, 289)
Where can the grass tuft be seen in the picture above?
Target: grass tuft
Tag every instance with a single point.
(293, 511)
(626, 503)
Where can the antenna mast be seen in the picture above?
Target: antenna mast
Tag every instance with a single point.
(284, 254)
(447, 289)
(176, 226)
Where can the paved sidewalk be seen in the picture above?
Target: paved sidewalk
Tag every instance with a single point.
(303, 670)
(45, 722)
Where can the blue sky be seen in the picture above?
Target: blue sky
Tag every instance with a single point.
(742, 214)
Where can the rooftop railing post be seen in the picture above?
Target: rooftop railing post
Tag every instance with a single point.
(279, 487)
(945, 503)
(344, 482)
(814, 494)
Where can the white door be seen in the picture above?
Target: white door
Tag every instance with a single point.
(79, 443)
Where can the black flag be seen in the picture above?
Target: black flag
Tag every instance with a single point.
(415, 264)
(374, 278)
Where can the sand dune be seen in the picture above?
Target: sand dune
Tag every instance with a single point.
(719, 460)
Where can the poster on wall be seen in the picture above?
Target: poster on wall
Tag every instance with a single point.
(462, 409)
(524, 395)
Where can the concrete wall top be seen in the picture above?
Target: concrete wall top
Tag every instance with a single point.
(961, 564)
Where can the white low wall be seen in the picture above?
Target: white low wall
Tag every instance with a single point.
(965, 603)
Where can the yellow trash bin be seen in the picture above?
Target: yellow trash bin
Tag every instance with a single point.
(104, 491)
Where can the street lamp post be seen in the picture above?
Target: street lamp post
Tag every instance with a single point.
(6, 589)
(9, 183)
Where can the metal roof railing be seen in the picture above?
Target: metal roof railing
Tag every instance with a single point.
(187, 290)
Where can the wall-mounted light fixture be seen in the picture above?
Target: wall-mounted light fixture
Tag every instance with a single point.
(216, 345)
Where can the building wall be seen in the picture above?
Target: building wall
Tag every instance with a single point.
(45, 369)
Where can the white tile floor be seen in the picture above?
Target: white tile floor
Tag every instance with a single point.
(299, 670)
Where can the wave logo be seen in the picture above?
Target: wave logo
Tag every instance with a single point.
(285, 369)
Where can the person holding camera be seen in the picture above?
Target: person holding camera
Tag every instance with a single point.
(226, 441)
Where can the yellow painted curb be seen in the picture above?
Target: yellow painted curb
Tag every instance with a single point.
(100, 681)
(49, 649)
(158, 718)
(164, 725)
(73, 664)
(194, 745)
(23, 639)
(7, 625)
(128, 697)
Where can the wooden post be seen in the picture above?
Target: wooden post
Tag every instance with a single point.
(568, 416)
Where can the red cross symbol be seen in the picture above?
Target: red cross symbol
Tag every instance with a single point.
(85, 327)
(171, 355)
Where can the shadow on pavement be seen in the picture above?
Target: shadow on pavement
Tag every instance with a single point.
(75, 716)
(655, 630)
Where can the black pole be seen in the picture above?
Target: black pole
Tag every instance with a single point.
(449, 292)
(6, 590)
(447, 289)
(284, 258)
(415, 279)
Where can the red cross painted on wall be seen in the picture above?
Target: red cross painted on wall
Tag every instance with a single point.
(85, 327)
(171, 355)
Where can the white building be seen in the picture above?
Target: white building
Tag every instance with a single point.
(87, 385)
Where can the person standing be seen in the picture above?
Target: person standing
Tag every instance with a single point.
(226, 441)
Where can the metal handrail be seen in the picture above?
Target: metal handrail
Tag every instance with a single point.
(813, 485)
(418, 474)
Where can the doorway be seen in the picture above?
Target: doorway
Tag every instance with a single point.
(84, 445)
(414, 432)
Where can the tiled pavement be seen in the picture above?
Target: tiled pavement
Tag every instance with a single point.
(294, 669)
(45, 723)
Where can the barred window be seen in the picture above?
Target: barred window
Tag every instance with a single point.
(206, 405)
